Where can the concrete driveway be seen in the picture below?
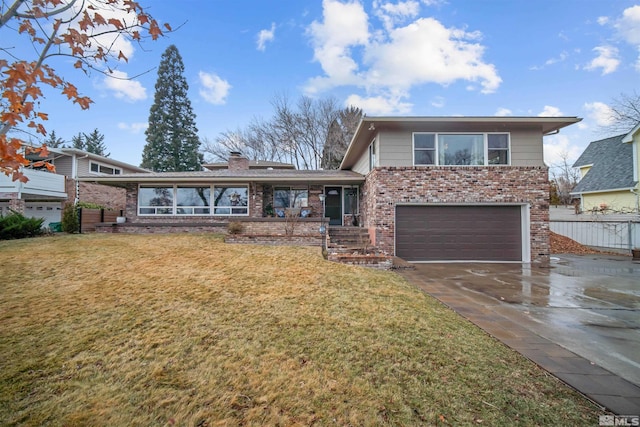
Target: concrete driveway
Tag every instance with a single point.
(589, 305)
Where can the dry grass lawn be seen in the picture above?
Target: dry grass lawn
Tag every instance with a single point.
(186, 330)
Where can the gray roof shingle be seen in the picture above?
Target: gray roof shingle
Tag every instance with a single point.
(612, 168)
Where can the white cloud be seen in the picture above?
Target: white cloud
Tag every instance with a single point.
(380, 105)
(629, 25)
(438, 102)
(629, 28)
(392, 14)
(393, 60)
(134, 128)
(344, 26)
(265, 36)
(124, 88)
(600, 113)
(550, 111)
(607, 59)
(214, 89)
(501, 112)
(603, 20)
(558, 147)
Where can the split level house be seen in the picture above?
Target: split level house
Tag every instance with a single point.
(609, 170)
(423, 189)
(46, 193)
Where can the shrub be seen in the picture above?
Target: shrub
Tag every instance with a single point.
(235, 228)
(70, 222)
(17, 226)
(89, 205)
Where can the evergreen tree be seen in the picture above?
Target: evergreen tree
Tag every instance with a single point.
(78, 142)
(94, 143)
(53, 141)
(172, 140)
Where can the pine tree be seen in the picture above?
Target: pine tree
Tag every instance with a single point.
(172, 140)
(53, 141)
(94, 143)
(78, 142)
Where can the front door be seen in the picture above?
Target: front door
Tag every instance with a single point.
(333, 205)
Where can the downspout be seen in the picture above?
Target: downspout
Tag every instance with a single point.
(74, 174)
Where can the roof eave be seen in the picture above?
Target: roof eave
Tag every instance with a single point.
(366, 129)
(609, 190)
(158, 179)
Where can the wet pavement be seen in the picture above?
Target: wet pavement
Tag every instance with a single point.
(574, 318)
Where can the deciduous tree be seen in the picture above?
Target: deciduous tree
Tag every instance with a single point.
(172, 136)
(83, 30)
(625, 111)
(310, 134)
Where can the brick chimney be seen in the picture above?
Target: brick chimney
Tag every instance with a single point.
(237, 161)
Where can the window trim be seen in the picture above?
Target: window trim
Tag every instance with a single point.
(100, 165)
(372, 155)
(174, 206)
(485, 140)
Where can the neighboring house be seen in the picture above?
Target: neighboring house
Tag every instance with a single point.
(425, 188)
(45, 194)
(609, 174)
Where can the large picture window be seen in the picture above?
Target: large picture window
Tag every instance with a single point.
(445, 149)
(155, 201)
(192, 200)
(230, 201)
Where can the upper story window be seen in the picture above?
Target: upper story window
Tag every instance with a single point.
(450, 149)
(103, 169)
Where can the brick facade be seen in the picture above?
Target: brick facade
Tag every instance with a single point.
(113, 198)
(387, 186)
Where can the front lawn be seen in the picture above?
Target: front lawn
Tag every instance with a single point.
(186, 330)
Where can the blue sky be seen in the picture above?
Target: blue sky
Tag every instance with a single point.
(415, 57)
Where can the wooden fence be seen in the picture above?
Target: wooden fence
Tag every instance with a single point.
(88, 218)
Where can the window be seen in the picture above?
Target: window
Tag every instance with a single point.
(104, 169)
(285, 197)
(230, 201)
(461, 149)
(350, 202)
(193, 200)
(498, 148)
(424, 149)
(446, 149)
(155, 201)
(372, 155)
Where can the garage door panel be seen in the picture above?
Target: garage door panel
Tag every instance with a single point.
(448, 233)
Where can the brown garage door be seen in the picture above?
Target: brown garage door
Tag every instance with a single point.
(459, 233)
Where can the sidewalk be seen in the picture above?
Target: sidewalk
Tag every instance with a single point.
(606, 389)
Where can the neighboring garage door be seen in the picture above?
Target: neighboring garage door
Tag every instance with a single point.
(459, 233)
(50, 211)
